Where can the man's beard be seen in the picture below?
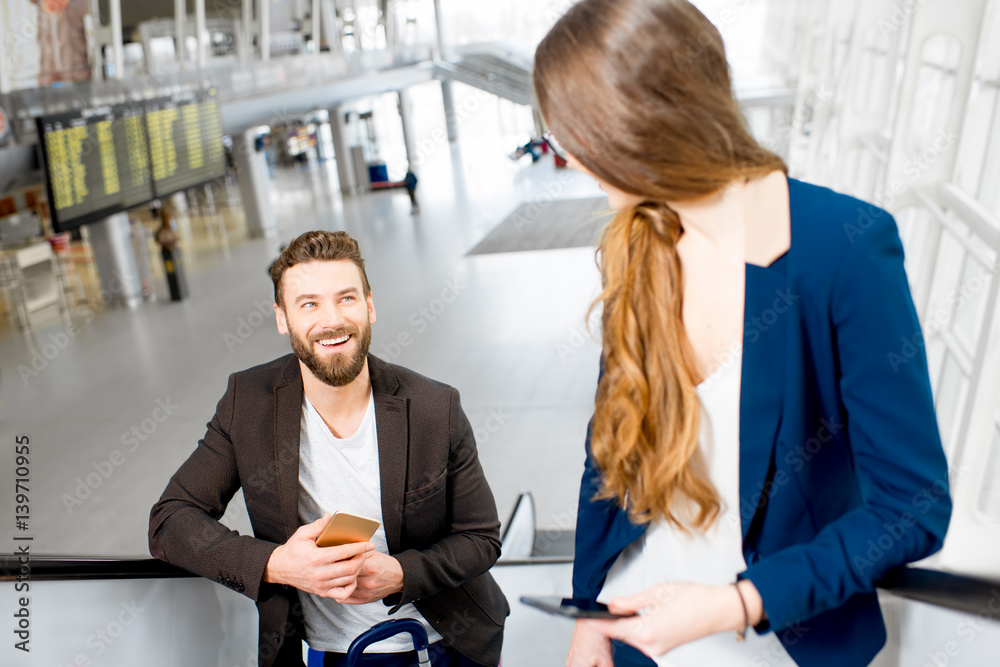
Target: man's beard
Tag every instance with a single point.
(340, 369)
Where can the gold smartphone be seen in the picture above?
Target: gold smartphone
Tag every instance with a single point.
(346, 528)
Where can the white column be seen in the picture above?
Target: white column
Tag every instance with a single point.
(246, 54)
(317, 24)
(439, 40)
(264, 15)
(342, 152)
(406, 117)
(536, 117)
(389, 22)
(254, 182)
(357, 27)
(111, 242)
(450, 115)
(4, 62)
(180, 31)
(447, 93)
(95, 46)
(202, 29)
(117, 47)
(331, 28)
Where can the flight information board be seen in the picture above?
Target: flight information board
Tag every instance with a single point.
(185, 143)
(97, 163)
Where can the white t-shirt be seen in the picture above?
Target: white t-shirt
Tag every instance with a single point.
(714, 556)
(343, 474)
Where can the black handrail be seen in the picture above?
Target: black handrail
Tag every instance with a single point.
(971, 595)
(77, 568)
(959, 592)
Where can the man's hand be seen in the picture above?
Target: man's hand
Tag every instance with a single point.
(589, 648)
(380, 577)
(325, 571)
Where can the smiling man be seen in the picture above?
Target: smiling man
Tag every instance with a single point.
(330, 428)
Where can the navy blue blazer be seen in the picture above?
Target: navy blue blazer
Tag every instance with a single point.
(842, 472)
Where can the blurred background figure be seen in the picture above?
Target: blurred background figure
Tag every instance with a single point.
(62, 40)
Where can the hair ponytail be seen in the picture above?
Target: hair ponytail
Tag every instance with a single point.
(645, 437)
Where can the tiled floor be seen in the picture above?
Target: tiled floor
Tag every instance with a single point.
(512, 340)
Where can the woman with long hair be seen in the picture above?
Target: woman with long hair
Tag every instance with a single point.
(756, 457)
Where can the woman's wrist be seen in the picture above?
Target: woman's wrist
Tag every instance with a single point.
(733, 598)
(729, 617)
(754, 603)
(741, 632)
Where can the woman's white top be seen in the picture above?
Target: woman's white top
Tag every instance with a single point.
(714, 556)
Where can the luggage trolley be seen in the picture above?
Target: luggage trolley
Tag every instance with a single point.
(387, 629)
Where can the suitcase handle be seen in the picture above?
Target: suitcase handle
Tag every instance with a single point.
(387, 629)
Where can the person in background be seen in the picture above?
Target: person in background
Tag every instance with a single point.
(750, 440)
(62, 41)
(410, 182)
(173, 263)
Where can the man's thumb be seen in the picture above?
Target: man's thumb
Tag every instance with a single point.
(313, 530)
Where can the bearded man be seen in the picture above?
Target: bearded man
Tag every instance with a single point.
(327, 428)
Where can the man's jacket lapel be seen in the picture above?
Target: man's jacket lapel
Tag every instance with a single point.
(392, 426)
(288, 422)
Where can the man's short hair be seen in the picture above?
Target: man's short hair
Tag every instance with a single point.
(318, 246)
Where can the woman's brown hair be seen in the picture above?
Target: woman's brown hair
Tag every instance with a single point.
(639, 92)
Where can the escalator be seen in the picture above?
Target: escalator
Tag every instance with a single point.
(493, 68)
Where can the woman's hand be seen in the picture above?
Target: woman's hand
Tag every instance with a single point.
(590, 647)
(679, 612)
